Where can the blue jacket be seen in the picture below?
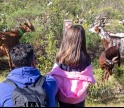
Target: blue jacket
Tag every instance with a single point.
(26, 76)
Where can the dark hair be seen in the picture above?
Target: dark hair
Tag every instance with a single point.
(22, 55)
(73, 47)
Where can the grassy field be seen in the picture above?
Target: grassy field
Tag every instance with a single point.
(113, 99)
(121, 104)
(48, 22)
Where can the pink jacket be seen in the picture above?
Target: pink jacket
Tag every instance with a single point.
(72, 85)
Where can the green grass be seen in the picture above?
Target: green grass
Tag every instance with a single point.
(104, 96)
(120, 104)
(47, 35)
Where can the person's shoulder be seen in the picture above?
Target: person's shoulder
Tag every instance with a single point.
(5, 85)
(50, 78)
(50, 83)
(2, 84)
(5, 88)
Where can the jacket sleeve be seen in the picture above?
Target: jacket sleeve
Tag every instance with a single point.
(51, 88)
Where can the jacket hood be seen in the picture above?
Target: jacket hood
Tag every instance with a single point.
(86, 74)
(24, 75)
(72, 85)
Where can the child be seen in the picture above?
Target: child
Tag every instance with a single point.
(73, 69)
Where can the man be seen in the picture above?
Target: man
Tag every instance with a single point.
(25, 73)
